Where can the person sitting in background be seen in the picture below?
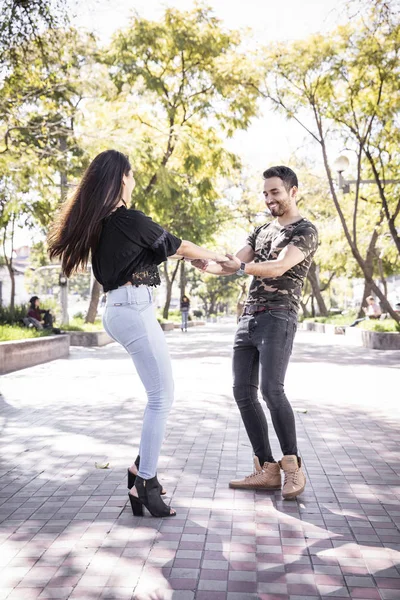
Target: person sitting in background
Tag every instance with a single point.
(185, 306)
(34, 315)
(372, 311)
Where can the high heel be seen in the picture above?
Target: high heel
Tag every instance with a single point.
(137, 506)
(132, 478)
(148, 491)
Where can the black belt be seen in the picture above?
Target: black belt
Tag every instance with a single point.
(256, 308)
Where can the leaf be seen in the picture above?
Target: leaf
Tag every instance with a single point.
(101, 465)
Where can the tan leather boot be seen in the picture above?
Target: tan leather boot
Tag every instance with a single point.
(267, 477)
(295, 480)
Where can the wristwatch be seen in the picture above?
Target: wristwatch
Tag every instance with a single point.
(241, 270)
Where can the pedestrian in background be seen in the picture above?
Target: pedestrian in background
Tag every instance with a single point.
(185, 307)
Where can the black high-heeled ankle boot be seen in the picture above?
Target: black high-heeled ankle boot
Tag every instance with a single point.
(149, 496)
(132, 478)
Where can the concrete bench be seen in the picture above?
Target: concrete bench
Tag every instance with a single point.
(20, 354)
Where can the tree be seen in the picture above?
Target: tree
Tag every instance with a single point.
(306, 82)
(214, 291)
(191, 73)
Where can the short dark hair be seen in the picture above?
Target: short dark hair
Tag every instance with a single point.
(288, 176)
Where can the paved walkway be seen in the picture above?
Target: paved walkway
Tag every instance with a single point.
(67, 532)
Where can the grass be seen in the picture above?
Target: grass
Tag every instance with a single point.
(9, 333)
(387, 325)
(371, 325)
(78, 324)
(17, 332)
(339, 319)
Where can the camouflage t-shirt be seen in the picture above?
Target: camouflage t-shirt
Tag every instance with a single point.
(267, 242)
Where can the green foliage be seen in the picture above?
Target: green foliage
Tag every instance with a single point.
(78, 324)
(343, 88)
(15, 332)
(337, 319)
(9, 317)
(216, 291)
(386, 325)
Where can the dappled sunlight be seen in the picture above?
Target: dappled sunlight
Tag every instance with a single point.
(66, 523)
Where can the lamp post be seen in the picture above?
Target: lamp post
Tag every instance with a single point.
(341, 164)
(63, 283)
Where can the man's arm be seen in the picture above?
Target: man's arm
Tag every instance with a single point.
(288, 258)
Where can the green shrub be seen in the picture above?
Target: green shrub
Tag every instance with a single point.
(7, 318)
(15, 332)
(385, 325)
(77, 324)
(337, 319)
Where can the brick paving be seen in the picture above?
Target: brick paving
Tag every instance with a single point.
(66, 530)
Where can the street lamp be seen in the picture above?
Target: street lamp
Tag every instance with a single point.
(341, 164)
(63, 283)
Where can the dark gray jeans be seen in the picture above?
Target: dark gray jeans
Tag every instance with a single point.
(262, 348)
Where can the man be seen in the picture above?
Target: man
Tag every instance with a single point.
(278, 256)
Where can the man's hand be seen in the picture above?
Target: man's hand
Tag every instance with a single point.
(233, 264)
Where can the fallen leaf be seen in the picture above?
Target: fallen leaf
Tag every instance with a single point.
(101, 465)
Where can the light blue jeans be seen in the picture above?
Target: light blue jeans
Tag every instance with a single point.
(130, 319)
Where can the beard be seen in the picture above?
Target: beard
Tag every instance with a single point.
(278, 210)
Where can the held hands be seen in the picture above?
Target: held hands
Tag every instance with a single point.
(232, 264)
(228, 264)
(200, 264)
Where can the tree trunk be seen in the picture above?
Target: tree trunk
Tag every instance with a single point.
(312, 306)
(94, 302)
(368, 272)
(12, 280)
(9, 263)
(306, 314)
(382, 276)
(170, 282)
(213, 305)
(182, 282)
(313, 278)
(354, 249)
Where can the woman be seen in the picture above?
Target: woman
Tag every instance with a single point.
(126, 246)
(35, 315)
(185, 307)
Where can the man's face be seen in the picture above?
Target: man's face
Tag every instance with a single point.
(277, 199)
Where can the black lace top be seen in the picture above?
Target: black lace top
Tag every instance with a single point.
(131, 246)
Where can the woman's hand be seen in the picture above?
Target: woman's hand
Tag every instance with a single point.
(200, 264)
(221, 259)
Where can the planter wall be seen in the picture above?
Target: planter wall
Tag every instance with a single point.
(377, 340)
(20, 354)
(89, 338)
(380, 340)
(167, 326)
(323, 327)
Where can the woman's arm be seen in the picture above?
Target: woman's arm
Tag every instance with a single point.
(189, 250)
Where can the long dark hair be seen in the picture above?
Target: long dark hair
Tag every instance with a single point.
(77, 230)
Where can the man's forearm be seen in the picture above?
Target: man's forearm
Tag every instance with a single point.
(269, 268)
